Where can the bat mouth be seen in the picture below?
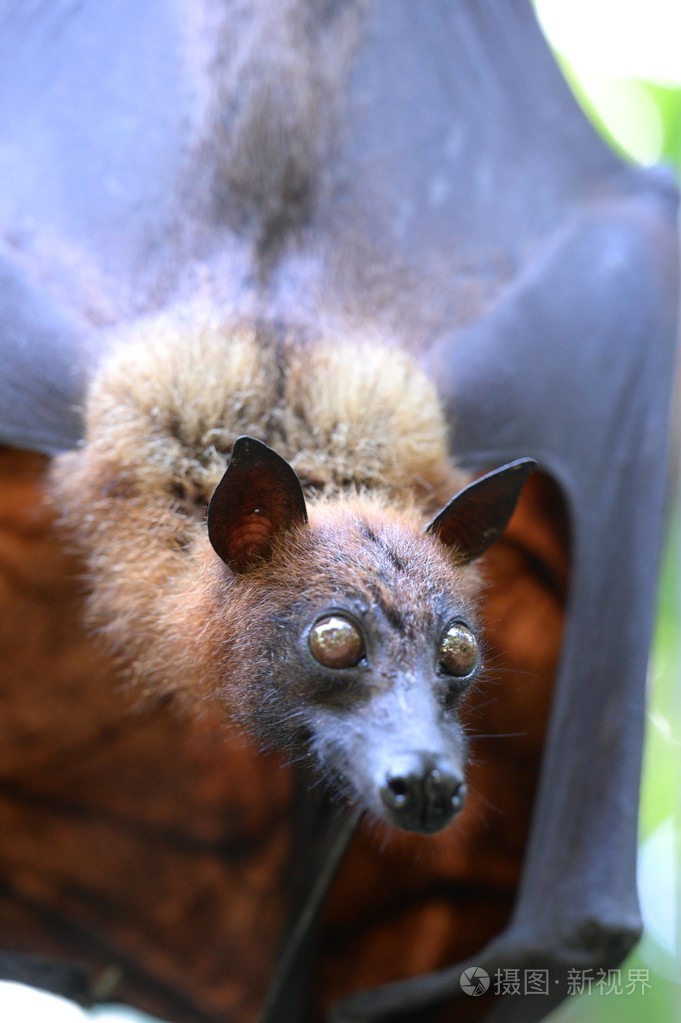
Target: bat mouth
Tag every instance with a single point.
(422, 794)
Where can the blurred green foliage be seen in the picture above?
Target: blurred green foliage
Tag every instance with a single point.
(640, 119)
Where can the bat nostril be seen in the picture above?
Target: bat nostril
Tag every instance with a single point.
(422, 796)
(395, 792)
(443, 785)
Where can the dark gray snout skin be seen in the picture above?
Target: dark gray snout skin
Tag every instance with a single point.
(403, 754)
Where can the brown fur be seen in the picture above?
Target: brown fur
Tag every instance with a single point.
(362, 429)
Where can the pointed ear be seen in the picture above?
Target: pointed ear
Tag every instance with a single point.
(476, 517)
(258, 498)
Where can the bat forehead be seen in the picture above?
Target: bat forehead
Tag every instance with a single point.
(391, 571)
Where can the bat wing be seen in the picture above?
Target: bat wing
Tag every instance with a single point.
(43, 371)
(96, 127)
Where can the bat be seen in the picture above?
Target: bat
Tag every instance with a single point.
(417, 174)
(328, 608)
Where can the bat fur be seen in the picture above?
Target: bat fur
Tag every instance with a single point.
(362, 428)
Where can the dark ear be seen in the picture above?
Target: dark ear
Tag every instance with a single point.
(258, 498)
(477, 516)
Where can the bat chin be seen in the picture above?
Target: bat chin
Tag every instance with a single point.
(421, 793)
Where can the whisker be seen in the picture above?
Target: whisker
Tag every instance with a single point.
(493, 673)
(497, 735)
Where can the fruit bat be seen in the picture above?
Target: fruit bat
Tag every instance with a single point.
(421, 171)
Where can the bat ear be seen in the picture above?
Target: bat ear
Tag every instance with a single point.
(476, 517)
(257, 499)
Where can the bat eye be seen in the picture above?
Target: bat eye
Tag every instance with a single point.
(336, 642)
(459, 651)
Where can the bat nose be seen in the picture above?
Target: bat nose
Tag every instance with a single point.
(422, 792)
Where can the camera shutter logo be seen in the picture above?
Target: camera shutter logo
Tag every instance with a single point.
(474, 981)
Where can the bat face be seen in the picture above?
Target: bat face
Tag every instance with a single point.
(391, 737)
(352, 637)
(358, 644)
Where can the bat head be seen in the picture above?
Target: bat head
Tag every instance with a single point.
(353, 635)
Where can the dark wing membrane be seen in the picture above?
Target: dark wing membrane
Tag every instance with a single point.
(462, 152)
(93, 125)
(42, 375)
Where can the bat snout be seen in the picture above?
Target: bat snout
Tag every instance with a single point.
(420, 792)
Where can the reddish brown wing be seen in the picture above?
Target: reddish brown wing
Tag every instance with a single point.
(150, 847)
